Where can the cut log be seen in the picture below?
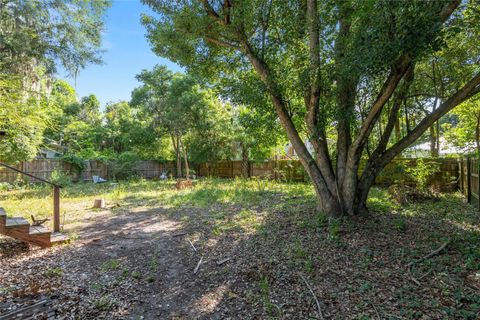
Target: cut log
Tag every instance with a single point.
(99, 203)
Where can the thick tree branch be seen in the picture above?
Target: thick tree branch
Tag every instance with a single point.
(386, 92)
(355, 151)
(221, 43)
(312, 99)
(389, 86)
(304, 155)
(393, 116)
(468, 91)
(346, 92)
(211, 12)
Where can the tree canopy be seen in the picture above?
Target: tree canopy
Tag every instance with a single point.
(35, 38)
(346, 65)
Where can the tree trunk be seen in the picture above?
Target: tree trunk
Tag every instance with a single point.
(245, 161)
(397, 129)
(477, 135)
(185, 157)
(433, 143)
(344, 193)
(178, 158)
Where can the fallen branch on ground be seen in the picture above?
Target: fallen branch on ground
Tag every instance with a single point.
(24, 310)
(219, 263)
(413, 278)
(320, 314)
(198, 265)
(179, 234)
(428, 256)
(193, 247)
(376, 311)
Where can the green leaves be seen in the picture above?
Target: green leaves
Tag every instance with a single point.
(50, 32)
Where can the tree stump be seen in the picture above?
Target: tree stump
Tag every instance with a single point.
(183, 184)
(99, 203)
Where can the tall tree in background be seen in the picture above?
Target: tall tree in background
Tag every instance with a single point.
(35, 37)
(257, 131)
(45, 33)
(465, 133)
(315, 59)
(195, 120)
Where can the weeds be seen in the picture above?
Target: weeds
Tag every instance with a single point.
(104, 303)
(54, 272)
(110, 265)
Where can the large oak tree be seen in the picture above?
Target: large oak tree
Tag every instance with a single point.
(350, 65)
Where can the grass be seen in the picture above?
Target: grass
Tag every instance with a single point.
(77, 200)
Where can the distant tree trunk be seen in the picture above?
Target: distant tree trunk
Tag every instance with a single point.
(185, 157)
(178, 158)
(245, 160)
(433, 142)
(397, 130)
(477, 135)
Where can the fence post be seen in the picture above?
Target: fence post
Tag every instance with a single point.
(460, 172)
(469, 178)
(56, 208)
(478, 183)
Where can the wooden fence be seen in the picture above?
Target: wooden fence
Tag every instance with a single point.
(469, 181)
(45, 167)
(452, 172)
(445, 179)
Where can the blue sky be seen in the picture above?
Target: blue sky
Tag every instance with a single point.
(127, 53)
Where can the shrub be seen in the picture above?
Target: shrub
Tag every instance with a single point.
(422, 172)
(5, 186)
(77, 163)
(123, 167)
(60, 178)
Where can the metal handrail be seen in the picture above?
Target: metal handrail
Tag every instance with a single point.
(56, 195)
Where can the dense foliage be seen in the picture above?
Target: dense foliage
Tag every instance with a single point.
(35, 37)
(342, 75)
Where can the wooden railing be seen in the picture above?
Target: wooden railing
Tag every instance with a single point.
(56, 195)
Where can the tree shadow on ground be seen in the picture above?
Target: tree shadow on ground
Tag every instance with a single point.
(142, 262)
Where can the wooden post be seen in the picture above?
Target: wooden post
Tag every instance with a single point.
(56, 209)
(275, 167)
(469, 178)
(478, 183)
(460, 172)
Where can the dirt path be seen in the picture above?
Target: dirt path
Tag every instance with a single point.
(128, 265)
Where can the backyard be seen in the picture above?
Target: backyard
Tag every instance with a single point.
(243, 249)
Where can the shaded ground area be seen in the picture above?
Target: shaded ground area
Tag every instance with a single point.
(137, 258)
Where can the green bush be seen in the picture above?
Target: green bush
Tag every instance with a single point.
(123, 167)
(5, 186)
(422, 172)
(60, 178)
(77, 163)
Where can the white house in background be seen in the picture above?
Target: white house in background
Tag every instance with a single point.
(423, 150)
(47, 153)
